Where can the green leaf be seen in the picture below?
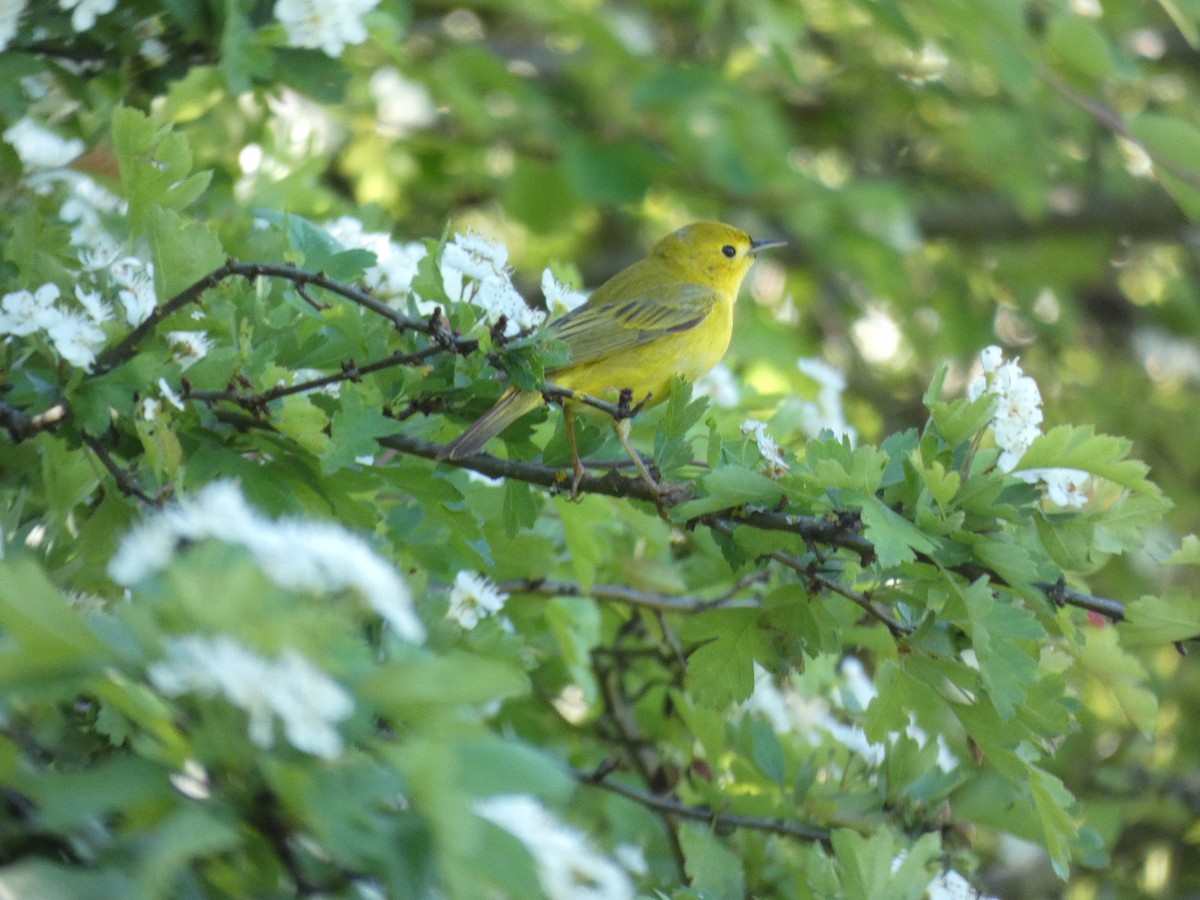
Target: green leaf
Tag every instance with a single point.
(154, 163)
(1079, 447)
(304, 423)
(1150, 620)
(355, 426)
(960, 420)
(402, 685)
(243, 58)
(727, 487)
(584, 530)
(710, 865)
(35, 877)
(1079, 45)
(1053, 802)
(1122, 676)
(1188, 553)
(520, 509)
(183, 251)
(895, 538)
(721, 671)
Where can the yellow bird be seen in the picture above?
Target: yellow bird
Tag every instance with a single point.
(671, 314)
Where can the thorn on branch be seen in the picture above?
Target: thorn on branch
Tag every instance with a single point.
(301, 289)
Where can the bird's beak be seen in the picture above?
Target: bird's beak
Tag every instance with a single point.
(756, 246)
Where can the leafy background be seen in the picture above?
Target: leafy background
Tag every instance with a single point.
(947, 176)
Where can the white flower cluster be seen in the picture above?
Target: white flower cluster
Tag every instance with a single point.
(76, 336)
(296, 555)
(395, 264)
(472, 598)
(773, 460)
(324, 25)
(475, 270)
(41, 148)
(308, 703)
(719, 386)
(826, 413)
(568, 868)
(1017, 424)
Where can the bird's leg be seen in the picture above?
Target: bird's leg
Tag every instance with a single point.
(576, 465)
(621, 427)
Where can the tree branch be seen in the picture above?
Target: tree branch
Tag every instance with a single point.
(670, 807)
(619, 593)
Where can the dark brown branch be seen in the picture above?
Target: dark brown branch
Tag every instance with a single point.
(670, 807)
(125, 481)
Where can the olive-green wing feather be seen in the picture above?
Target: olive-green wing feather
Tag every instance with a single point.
(607, 325)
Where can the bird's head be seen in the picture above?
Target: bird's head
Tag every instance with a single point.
(711, 253)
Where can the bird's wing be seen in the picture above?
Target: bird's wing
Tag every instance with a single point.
(607, 325)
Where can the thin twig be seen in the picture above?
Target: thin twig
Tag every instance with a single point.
(670, 807)
(618, 593)
(125, 481)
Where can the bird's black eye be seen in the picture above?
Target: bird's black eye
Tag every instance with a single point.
(729, 250)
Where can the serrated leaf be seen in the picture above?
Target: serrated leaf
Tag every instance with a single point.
(1052, 802)
(183, 250)
(960, 420)
(454, 677)
(583, 531)
(721, 671)
(1079, 447)
(154, 163)
(1122, 676)
(835, 464)
(710, 865)
(1188, 553)
(727, 487)
(356, 425)
(1149, 620)
(304, 423)
(895, 538)
(519, 509)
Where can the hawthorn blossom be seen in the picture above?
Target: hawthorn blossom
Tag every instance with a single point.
(308, 703)
(323, 25)
(472, 598)
(85, 12)
(190, 346)
(773, 459)
(41, 148)
(719, 386)
(76, 338)
(134, 279)
(395, 264)
(559, 296)
(93, 304)
(475, 270)
(1018, 418)
(1064, 487)
(297, 555)
(568, 868)
(826, 413)
(24, 312)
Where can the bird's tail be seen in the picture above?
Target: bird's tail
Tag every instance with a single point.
(511, 406)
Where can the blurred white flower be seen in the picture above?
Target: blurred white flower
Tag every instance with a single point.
(472, 597)
(568, 868)
(134, 279)
(24, 312)
(1065, 487)
(295, 554)
(76, 338)
(190, 346)
(10, 17)
(93, 304)
(84, 13)
(826, 413)
(559, 296)
(950, 885)
(475, 257)
(308, 703)
(40, 148)
(169, 395)
(395, 264)
(1018, 418)
(401, 106)
(767, 448)
(719, 386)
(320, 24)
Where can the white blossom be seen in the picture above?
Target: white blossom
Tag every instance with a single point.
(295, 554)
(10, 17)
(40, 148)
(719, 386)
(320, 24)
(1064, 487)
(134, 279)
(190, 346)
(395, 264)
(950, 885)
(472, 597)
(559, 296)
(151, 408)
(568, 868)
(93, 304)
(85, 12)
(773, 459)
(308, 703)
(24, 312)
(826, 413)
(475, 270)
(1018, 418)
(169, 395)
(76, 338)
(401, 106)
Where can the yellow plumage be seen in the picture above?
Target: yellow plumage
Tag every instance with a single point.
(671, 314)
